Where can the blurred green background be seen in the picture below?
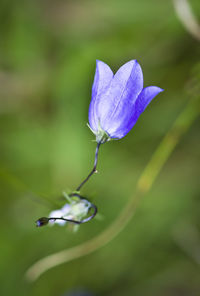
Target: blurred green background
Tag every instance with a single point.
(47, 63)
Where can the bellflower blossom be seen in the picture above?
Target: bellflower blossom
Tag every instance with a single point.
(118, 100)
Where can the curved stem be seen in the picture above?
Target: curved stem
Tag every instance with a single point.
(144, 184)
(187, 17)
(64, 219)
(94, 168)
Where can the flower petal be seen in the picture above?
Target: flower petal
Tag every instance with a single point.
(102, 79)
(65, 209)
(143, 100)
(145, 97)
(116, 105)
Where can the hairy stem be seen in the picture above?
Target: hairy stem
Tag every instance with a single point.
(144, 184)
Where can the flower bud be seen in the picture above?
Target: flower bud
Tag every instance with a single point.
(42, 221)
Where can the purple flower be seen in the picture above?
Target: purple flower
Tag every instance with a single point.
(118, 100)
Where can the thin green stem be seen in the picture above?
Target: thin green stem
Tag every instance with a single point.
(144, 184)
(94, 169)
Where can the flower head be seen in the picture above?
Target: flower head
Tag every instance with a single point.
(76, 210)
(118, 100)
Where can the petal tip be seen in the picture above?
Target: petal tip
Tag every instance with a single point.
(159, 89)
(100, 62)
(132, 62)
(156, 89)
